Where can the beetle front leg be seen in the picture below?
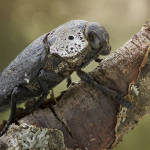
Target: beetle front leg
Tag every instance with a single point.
(88, 79)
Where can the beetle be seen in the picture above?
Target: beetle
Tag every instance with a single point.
(49, 60)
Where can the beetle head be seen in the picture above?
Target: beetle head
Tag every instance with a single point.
(98, 40)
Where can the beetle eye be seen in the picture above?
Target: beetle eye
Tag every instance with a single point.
(94, 40)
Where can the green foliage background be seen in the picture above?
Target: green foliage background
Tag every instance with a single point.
(22, 21)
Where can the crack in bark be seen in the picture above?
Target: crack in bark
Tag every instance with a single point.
(66, 127)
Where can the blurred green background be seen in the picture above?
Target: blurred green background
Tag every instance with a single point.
(22, 21)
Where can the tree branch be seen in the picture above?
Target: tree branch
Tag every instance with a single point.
(88, 118)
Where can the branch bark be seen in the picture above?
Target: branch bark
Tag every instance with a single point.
(88, 118)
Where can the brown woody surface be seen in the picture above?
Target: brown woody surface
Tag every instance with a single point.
(90, 119)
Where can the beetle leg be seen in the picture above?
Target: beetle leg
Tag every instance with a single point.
(12, 114)
(88, 79)
(69, 81)
(17, 93)
(44, 95)
(52, 96)
(46, 77)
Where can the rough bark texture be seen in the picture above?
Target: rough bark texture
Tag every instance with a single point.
(90, 119)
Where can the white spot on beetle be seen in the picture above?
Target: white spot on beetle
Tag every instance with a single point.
(4, 90)
(135, 89)
(27, 80)
(25, 74)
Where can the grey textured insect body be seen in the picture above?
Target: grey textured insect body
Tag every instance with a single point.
(49, 60)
